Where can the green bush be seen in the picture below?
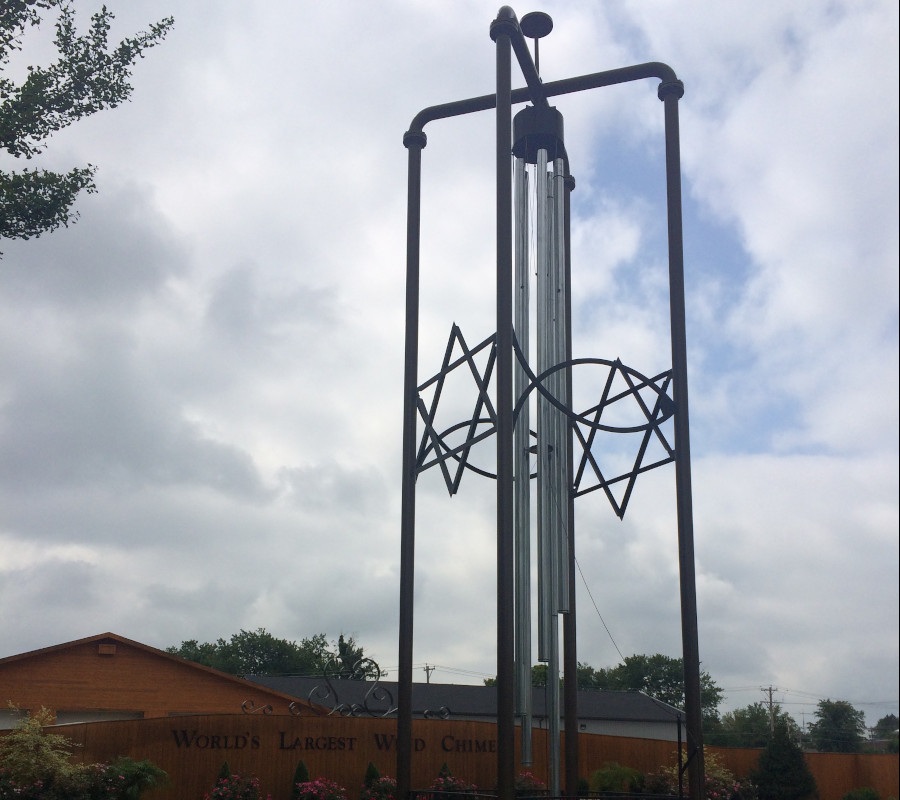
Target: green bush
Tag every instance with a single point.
(372, 775)
(127, 779)
(613, 777)
(782, 772)
(861, 794)
(301, 775)
(36, 764)
(28, 755)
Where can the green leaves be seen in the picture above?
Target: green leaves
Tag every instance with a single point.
(87, 77)
(260, 653)
(839, 727)
(34, 202)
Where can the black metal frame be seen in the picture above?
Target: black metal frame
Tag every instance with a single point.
(508, 37)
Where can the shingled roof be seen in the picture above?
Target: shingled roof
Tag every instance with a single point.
(471, 702)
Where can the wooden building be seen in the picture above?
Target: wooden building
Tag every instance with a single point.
(109, 677)
(128, 699)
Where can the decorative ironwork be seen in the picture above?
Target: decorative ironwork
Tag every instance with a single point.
(249, 707)
(296, 708)
(435, 449)
(434, 443)
(442, 713)
(377, 701)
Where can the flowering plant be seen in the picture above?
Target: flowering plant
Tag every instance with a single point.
(124, 779)
(383, 788)
(528, 786)
(447, 783)
(236, 787)
(719, 781)
(320, 789)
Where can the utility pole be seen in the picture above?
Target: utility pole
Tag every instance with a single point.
(769, 691)
(428, 671)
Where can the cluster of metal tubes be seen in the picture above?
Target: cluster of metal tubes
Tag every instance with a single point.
(541, 250)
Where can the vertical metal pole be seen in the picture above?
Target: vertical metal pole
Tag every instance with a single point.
(501, 29)
(670, 92)
(570, 654)
(414, 143)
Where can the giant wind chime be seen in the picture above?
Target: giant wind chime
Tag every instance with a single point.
(538, 434)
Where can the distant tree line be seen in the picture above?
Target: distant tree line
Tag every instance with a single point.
(260, 653)
(659, 676)
(838, 726)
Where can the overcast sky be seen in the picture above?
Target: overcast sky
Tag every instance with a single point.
(200, 381)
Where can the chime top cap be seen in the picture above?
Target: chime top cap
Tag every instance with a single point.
(536, 24)
(538, 129)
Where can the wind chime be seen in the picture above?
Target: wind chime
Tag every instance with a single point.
(529, 362)
(541, 186)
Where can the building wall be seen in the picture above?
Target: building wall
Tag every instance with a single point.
(94, 680)
(193, 749)
(662, 731)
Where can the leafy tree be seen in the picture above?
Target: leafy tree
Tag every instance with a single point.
(782, 772)
(260, 653)
(886, 728)
(662, 677)
(352, 662)
(749, 726)
(839, 727)
(88, 77)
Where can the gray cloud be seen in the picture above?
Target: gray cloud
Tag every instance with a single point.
(200, 381)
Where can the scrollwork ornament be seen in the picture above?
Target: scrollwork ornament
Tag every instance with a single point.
(249, 707)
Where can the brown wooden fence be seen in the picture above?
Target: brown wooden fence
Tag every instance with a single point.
(192, 750)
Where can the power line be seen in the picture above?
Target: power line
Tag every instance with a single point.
(597, 609)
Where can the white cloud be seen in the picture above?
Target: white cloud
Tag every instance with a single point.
(201, 379)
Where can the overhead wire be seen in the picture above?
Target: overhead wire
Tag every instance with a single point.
(605, 626)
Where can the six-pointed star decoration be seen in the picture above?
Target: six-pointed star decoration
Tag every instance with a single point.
(434, 447)
(623, 388)
(653, 405)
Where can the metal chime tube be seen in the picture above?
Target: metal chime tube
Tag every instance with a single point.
(546, 550)
(522, 467)
(560, 388)
(551, 435)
